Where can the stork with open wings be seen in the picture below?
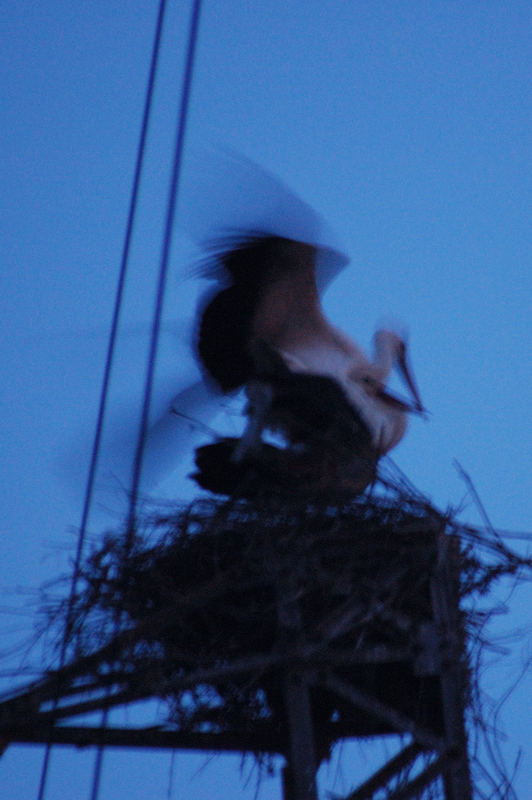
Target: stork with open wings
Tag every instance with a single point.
(272, 299)
(263, 327)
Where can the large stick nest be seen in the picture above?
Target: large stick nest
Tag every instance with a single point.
(206, 606)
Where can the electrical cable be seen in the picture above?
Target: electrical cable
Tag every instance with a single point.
(109, 357)
(157, 313)
(164, 261)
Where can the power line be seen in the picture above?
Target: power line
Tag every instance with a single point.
(110, 354)
(157, 313)
(164, 260)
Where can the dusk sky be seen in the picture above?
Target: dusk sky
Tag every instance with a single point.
(406, 125)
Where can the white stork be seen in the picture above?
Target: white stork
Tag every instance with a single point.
(269, 294)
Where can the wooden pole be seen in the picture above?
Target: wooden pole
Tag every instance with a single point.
(299, 778)
(445, 603)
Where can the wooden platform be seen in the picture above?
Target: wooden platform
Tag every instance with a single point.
(245, 616)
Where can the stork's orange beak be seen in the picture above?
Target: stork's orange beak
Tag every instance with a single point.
(398, 402)
(408, 377)
(406, 373)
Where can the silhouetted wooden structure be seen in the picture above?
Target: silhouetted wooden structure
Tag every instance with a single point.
(272, 627)
(290, 614)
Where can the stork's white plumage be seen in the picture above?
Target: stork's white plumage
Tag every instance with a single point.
(273, 298)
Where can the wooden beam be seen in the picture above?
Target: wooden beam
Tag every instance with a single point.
(299, 780)
(413, 788)
(382, 777)
(399, 722)
(445, 590)
(35, 732)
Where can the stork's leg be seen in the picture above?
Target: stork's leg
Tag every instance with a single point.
(260, 396)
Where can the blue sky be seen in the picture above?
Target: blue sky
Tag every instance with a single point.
(406, 125)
